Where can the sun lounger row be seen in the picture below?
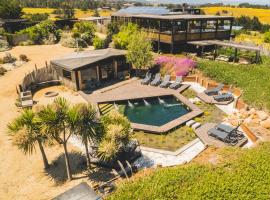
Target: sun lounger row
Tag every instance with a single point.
(226, 134)
(215, 92)
(163, 84)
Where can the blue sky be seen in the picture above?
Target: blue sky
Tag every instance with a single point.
(263, 2)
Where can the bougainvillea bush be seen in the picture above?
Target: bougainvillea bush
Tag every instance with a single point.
(175, 66)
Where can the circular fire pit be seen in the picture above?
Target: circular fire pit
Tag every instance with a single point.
(51, 94)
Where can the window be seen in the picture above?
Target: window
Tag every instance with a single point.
(67, 74)
(89, 75)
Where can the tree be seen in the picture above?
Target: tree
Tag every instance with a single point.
(86, 30)
(68, 11)
(117, 135)
(10, 9)
(26, 133)
(59, 122)
(123, 37)
(88, 126)
(139, 52)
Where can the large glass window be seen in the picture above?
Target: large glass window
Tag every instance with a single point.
(209, 26)
(89, 75)
(194, 26)
(224, 25)
(67, 74)
(179, 27)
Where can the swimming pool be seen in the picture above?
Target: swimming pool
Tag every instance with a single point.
(155, 111)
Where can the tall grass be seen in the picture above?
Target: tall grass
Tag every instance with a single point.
(244, 174)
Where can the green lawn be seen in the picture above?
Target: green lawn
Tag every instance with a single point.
(183, 135)
(243, 174)
(254, 80)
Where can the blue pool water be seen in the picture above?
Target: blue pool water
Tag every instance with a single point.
(153, 111)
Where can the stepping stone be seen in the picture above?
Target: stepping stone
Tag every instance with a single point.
(190, 123)
(196, 125)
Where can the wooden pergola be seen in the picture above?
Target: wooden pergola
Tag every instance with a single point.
(235, 46)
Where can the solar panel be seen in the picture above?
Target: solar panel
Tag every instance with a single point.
(145, 10)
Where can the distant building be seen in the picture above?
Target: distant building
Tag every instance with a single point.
(172, 30)
(97, 20)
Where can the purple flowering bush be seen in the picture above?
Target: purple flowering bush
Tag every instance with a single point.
(175, 66)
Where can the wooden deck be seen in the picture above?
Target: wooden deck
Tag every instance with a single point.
(210, 99)
(128, 90)
(202, 133)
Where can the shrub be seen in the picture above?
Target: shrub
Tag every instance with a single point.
(42, 31)
(267, 37)
(123, 37)
(98, 43)
(3, 45)
(2, 71)
(175, 66)
(9, 58)
(86, 30)
(24, 58)
(37, 17)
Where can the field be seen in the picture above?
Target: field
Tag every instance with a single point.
(78, 13)
(242, 174)
(253, 38)
(262, 14)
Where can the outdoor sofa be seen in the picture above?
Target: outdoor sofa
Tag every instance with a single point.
(157, 80)
(147, 79)
(177, 83)
(214, 91)
(166, 82)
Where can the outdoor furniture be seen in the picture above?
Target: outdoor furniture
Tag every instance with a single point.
(223, 136)
(190, 123)
(177, 83)
(232, 130)
(157, 80)
(214, 91)
(196, 125)
(166, 82)
(224, 97)
(147, 79)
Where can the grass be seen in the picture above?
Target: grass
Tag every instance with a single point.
(183, 135)
(78, 13)
(243, 174)
(262, 14)
(252, 79)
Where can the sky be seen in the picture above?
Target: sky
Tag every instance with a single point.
(263, 2)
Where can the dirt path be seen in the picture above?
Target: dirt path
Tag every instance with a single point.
(22, 176)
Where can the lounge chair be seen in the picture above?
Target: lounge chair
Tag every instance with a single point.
(224, 97)
(177, 83)
(147, 79)
(214, 91)
(223, 136)
(166, 82)
(157, 80)
(233, 131)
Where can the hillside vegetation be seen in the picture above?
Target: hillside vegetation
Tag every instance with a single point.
(262, 14)
(244, 174)
(252, 79)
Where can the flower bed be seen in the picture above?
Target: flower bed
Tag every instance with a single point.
(175, 66)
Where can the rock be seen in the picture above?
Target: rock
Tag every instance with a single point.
(266, 123)
(252, 111)
(262, 115)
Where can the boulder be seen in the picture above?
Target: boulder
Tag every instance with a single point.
(266, 123)
(262, 115)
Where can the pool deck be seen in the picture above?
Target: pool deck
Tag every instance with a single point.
(133, 89)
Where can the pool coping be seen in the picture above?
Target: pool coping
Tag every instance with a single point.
(195, 112)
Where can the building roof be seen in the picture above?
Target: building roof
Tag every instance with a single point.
(74, 61)
(79, 192)
(162, 13)
(173, 16)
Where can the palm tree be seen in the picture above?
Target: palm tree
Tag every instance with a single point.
(55, 120)
(26, 133)
(88, 126)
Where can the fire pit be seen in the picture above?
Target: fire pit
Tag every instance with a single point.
(51, 94)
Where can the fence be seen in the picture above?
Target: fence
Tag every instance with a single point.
(39, 78)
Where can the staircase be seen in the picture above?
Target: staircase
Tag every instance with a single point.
(105, 108)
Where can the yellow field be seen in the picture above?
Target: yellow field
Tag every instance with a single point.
(262, 14)
(255, 38)
(78, 13)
